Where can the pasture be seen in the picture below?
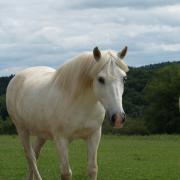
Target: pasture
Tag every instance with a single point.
(119, 158)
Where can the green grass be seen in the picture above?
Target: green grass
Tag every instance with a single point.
(119, 157)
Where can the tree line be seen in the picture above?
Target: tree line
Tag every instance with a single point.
(151, 101)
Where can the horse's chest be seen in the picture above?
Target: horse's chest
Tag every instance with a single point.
(83, 126)
(82, 133)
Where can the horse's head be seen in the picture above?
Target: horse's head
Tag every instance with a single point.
(108, 84)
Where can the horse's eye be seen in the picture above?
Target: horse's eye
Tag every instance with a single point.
(101, 80)
(124, 79)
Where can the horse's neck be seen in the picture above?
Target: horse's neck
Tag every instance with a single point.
(86, 104)
(75, 84)
(89, 97)
(85, 99)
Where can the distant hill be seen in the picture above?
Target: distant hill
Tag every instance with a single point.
(159, 65)
(133, 100)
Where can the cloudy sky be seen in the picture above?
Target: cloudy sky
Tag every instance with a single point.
(48, 32)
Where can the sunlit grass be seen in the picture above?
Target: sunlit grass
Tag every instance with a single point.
(119, 157)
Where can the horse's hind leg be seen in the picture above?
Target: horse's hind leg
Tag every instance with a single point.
(37, 148)
(30, 155)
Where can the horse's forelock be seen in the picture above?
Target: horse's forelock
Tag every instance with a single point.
(122, 65)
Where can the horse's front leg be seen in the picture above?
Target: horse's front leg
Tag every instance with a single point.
(93, 143)
(62, 149)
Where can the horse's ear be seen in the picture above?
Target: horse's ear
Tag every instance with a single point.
(123, 52)
(97, 53)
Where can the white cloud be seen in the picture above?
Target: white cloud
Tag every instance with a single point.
(10, 70)
(152, 47)
(117, 3)
(47, 32)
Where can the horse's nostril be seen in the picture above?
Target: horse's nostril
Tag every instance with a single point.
(123, 117)
(113, 118)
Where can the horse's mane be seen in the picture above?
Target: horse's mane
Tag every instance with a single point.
(75, 77)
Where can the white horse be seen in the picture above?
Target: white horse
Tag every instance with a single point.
(66, 104)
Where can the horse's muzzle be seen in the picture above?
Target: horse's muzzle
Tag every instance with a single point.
(118, 119)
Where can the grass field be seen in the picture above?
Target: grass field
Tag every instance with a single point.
(119, 157)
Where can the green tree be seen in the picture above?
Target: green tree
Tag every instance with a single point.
(162, 95)
(3, 109)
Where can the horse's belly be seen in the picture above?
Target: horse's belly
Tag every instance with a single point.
(45, 133)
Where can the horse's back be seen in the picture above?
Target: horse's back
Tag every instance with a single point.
(25, 86)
